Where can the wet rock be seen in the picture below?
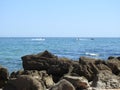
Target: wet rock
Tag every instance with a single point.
(63, 85)
(78, 82)
(24, 82)
(4, 76)
(106, 80)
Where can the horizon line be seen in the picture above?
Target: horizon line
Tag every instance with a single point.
(55, 37)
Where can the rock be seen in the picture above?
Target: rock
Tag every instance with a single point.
(24, 82)
(111, 57)
(106, 80)
(85, 60)
(118, 58)
(47, 61)
(48, 81)
(114, 65)
(89, 67)
(63, 85)
(78, 82)
(4, 76)
(46, 54)
(34, 73)
(38, 75)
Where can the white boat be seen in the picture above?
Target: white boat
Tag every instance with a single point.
(38, 39)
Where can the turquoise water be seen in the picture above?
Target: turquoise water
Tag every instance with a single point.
(11, 49)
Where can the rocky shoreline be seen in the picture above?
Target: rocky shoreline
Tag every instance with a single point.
(45, 71)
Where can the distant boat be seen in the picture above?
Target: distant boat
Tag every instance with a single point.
(38, 39)
(81, 39)
(92, 39)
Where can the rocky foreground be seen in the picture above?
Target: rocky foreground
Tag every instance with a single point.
(45, 71)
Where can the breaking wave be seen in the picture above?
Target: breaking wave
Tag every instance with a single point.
(91, 54)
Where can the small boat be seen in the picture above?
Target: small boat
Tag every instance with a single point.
(39, 39)
(92, 39)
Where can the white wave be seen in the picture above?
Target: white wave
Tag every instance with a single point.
(38, 39)
(81, 39)
(92, 54)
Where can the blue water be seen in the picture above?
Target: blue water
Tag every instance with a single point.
(11, 49)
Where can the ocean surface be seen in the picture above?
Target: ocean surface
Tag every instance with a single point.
(11, 49)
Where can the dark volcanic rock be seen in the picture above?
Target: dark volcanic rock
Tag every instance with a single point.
(24, 82)
(49, 62)
(4, 76)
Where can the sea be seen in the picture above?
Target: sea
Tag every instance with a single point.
(13, 48)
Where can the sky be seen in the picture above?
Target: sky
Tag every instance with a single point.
(59, 18)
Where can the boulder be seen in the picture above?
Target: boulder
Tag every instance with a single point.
(34, 73)
(48, 81)
(47, 61)
(118, 58)
(78, 82)
(111, 57)
(24, 82)
(38, 75)
(46, 54)
(106, 80)
(63, 85)
(89, 67)
(114, 65)
(4, 76)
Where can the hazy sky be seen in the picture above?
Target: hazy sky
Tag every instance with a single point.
(60, 18)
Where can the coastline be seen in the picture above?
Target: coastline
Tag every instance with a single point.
(50, 72)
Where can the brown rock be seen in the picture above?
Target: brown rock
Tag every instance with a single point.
(114, 65)
(63, 85)
(106, 80)
(111, 57)
(78, 82)
(24, 83)
(48, 81)
(46, 61)
(89, 67)
(4, 76)
(118, 58)
(38, 75)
